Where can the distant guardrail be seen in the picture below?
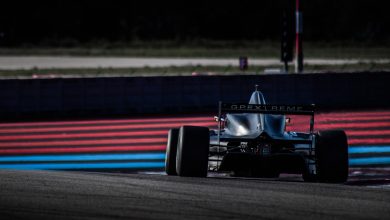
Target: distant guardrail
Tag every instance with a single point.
(64, 97)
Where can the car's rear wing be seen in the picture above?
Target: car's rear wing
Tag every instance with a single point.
(268, 109)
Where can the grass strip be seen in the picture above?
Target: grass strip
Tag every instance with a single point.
(215, 49)
(183, 70)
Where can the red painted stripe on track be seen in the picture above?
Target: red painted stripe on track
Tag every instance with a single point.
(351, 135)
(376, 141)
(84, 142)
(351, 118)
(89, 122)
(84, 149)
(347, 125)
(332, 121)
(96, 128)
(319, 118)
(84, 135)
(344, 120)
(318, 125)
(367, 132)
(325, 118)
(355, 114)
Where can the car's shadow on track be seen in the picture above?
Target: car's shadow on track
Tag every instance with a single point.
(361, 180)
(378, 180)
(283, 178)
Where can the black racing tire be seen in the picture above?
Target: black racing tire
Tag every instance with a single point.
(170, 156)
(332, 156)
(193, 151)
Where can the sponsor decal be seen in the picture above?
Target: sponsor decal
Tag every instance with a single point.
(267, 108)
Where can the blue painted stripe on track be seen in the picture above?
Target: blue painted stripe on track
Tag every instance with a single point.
(369, 161)
(129, 165)
(151, 156)
(83, 157)
(368, 149)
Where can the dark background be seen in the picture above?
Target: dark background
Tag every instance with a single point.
(74, 22)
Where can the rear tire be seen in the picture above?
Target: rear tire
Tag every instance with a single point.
(193, 151)
(332, 156)
(170, 157)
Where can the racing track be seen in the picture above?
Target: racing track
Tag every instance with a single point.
(139, 144)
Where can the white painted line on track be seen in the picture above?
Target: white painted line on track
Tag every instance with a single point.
(47, 62)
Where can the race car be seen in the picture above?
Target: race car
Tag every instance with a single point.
(252, 141)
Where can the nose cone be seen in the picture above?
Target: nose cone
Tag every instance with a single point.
(257, 98)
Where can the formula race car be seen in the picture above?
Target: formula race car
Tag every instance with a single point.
(252, 141)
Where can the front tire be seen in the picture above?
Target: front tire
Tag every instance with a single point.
(170, 157)
(332, 156)
(193, 151)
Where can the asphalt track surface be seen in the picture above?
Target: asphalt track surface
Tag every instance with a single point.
(85, 195)
(42, 62)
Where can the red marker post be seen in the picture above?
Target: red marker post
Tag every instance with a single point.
(298, 37)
